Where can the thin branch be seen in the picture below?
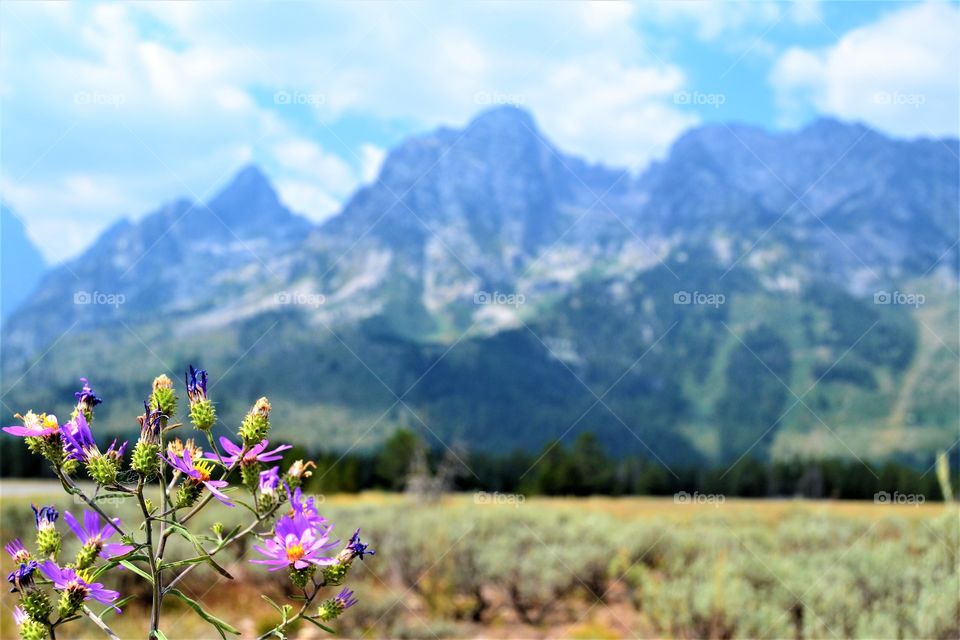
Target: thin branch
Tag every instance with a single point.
(100, 623)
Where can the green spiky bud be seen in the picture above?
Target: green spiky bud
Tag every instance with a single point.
(335, 574)
(163, 396)
(265, 502)
(250, 474)
(330, 609)
(87, 555)
(203, 415)
(217, 529)
(70, 601)
(103, 469)
(48, 541)
(37, 605)
(36, 444)
(145, 458)
(32, 630)
(69, 466)
(301, 577)
(256, 423)
(149, 504)
(188, 493)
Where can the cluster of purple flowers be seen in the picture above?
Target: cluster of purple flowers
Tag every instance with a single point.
(300, 540)
(72, 582)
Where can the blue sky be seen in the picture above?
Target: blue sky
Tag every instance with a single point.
(108, 110)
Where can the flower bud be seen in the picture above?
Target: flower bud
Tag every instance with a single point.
(37, 605)
(256, 424)
(188, 493)
(32, 630)
(203, 415)
(268, 483)
(163, 397)
(28, 628)
(301, 577)
(335, 574)
(298, 471)
(217, 529)
(332, 608)
(250, 474)
(17, 551)
(88, 554)
(86, 401)
(71, 599)
(48, 542)
(145, 458)
(103, 468)
(48, 538)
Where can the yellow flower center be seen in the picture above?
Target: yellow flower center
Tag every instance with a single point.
(204, 468)
(295, 552)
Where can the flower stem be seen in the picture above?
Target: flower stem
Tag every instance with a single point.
(154, 574)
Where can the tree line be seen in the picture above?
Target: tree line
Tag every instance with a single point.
(580, 468)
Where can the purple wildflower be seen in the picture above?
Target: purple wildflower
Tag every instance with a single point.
(34, 425)
(357, 548)
(199, 472)
(114, 451)
(196, 381)
(66, 579)
(255, 453)
(269, 481)
(86, 395)
(19, 616)
(22, 576)
(91, 533)
(45, 516)
(306, 509)
(345, 598)
(17, 551)
(296, 544)
(79, 444)
(150, 423)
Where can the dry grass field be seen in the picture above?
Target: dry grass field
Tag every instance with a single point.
(507, 567)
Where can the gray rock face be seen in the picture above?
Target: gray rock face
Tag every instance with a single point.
(495, 207)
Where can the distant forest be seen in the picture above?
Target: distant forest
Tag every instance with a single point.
(581, 468)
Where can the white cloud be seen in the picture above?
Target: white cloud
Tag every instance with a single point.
(307, 199)
(900, 74)
(171, 96)
(372, 158)
(716, 20)
(307, 159)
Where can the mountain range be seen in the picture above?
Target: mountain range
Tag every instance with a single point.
(784, 293)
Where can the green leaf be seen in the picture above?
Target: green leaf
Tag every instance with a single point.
(322, 626)
(200, 550)
(274, 605)
(248, 507)
(159, 635)
(137, 570)
(217, 623)
(114, 562)
(182, 563)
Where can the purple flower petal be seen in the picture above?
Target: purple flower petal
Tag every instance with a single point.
(114, 549)
(75, 526)
(212, 485)
(25, 431)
